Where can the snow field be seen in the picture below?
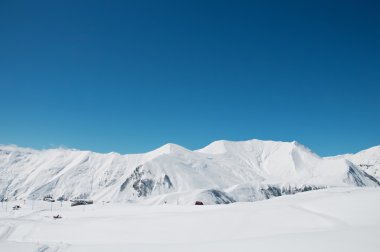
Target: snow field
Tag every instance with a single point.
(339, 219)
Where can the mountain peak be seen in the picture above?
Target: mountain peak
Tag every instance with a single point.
(216, 147)
(168, 149)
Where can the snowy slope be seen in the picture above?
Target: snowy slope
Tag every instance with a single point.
(222, 172)
(368, 160)
(335, 219)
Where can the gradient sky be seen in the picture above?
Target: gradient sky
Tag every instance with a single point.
(129, 76)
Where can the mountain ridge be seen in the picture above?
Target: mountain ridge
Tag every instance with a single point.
(221, 172)
(174, 145)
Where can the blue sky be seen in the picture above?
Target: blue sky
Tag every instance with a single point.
(129, 76)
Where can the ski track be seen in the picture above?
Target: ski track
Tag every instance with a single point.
(12, 223)
(9, 229)
(334, 220)
(52, 247)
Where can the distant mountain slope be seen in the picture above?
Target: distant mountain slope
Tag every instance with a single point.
(368, 160)
(222, 172)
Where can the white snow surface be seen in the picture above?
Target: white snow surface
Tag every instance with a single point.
(222, 172)
(334, 219)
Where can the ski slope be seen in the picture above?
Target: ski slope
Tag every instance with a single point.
(335, 219)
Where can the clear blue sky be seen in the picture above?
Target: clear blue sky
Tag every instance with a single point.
(129, 76)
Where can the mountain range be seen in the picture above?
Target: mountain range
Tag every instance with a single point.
(222, 172)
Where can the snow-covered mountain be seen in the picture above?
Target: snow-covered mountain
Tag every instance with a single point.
(368, 160)
(222, 172)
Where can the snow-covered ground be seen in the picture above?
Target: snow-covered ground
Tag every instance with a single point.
(334, 219)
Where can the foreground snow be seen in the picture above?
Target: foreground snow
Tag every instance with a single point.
(340, 219)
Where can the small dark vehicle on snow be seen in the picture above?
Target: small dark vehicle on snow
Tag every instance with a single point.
(199, 203)
(16, 207)
(57, 216)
